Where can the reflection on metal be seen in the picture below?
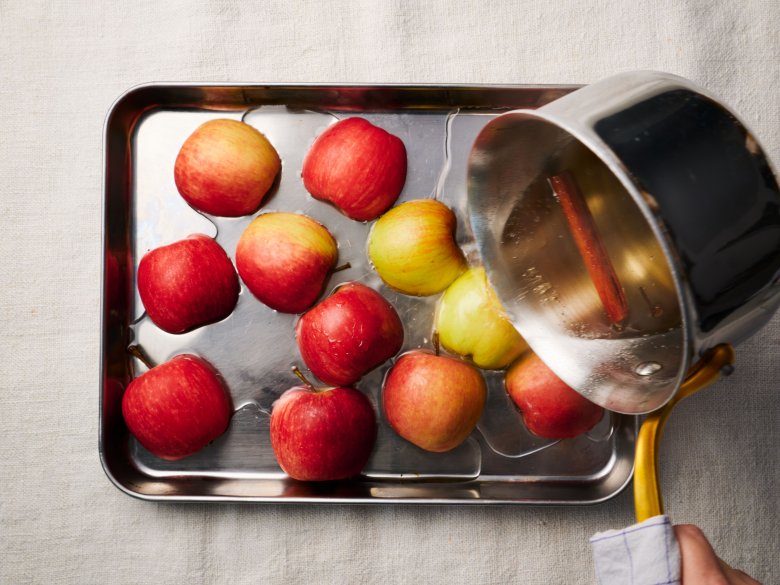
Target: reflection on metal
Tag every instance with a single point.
(254, 347)
(687, 207)
(647, 486)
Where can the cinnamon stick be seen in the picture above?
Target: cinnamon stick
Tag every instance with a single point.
(590, 245)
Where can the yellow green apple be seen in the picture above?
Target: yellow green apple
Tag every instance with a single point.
(413, 247)
(471, 322)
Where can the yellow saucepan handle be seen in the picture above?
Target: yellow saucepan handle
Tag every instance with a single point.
(647, 488)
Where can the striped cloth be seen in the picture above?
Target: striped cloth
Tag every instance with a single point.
(643, 554)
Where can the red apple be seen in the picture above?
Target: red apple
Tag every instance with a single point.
(177, 408)
(226, 168)
(348, 334)
(550, 408)
(187, 284)
(433, 401)
(285, 259)
(356, 166)
(322, 435)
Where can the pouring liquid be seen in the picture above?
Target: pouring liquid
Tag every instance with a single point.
(554, 301)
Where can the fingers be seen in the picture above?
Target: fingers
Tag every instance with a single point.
(736, 576)
(700, 564)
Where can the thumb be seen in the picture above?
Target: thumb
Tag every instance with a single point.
(700, 564)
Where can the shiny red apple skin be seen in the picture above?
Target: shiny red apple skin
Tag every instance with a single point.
(177, 408)
(285, 259)
(433, 401)
(322, 435)
(226, 168)
(358, 167)
(187, 284)
(348, 334)
(549, 407)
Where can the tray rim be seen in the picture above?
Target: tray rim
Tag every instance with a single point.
(211, 498)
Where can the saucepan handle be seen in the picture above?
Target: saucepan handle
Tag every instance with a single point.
(647, 488)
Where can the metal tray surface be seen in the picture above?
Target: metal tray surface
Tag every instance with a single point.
(254, 347)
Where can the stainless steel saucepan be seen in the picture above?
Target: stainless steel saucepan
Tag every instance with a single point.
(632, 231)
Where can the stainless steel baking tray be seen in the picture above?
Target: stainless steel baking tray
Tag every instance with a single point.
(254, 347)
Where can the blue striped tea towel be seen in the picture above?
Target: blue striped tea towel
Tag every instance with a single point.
(643, 554)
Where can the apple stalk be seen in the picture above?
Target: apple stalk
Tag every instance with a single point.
(297, 371)
(140, 355)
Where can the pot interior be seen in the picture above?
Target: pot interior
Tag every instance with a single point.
(541, 276)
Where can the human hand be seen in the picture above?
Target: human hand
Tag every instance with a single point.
(700, 564)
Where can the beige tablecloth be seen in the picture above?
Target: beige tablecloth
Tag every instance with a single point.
(61, 66)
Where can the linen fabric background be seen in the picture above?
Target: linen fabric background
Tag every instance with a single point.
(61, 67)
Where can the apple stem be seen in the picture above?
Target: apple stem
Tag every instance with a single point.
(296, 370)
(137, 352)
(435, 341)
(344, 266)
